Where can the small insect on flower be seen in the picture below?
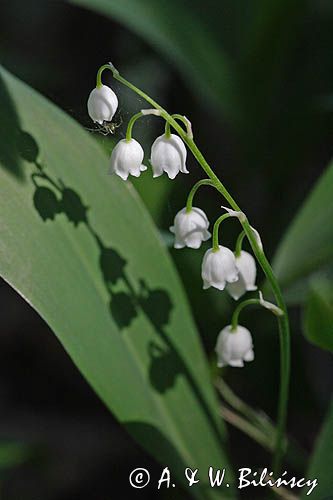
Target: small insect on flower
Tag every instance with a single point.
(107, 128)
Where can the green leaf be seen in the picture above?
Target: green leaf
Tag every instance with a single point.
(318, 314)
(176, 29)
(321, 463)
(79, 246)
(308, 243)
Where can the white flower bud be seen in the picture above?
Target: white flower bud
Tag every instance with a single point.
(219, 268)
(246, 266)
(190, 228)
(233, 347)
(126, 158)
(168, 154)
(102, 104)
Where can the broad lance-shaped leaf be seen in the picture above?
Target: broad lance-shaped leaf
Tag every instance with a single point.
(321, 463)
(308, 243)
(79, 246)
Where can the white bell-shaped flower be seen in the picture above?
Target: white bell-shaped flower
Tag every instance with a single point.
(233, 347)
(190, 228)
(168, 154)
(246, 266)
(102, 104)
(218, 268)
(126, 159)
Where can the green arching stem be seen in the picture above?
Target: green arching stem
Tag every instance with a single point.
(130, 125)
(284, 332)
(239, 308)
(189, 202)
(238, 247)
(216, 231)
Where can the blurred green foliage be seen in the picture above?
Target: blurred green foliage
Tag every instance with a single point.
(13, 454)
(321, 461)
(318, 314)
(256, 79)
(308, 245)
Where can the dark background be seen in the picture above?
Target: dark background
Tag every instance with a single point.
(270, 158)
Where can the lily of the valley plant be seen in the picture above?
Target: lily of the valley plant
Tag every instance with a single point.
(222, 268)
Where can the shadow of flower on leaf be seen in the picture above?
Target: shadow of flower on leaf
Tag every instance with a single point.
(53, 197)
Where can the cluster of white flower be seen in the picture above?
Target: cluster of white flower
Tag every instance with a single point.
(221, 268)
(168, 152)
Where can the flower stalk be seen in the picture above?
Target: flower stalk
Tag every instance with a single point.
(216, 231)
(202, 182)
(131, 124)
(239, 308)
(283, 322)
(239, 242)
